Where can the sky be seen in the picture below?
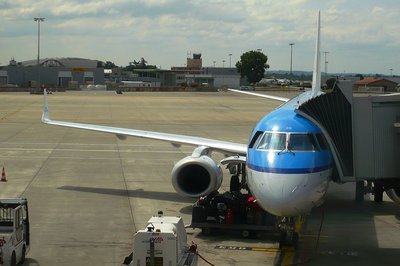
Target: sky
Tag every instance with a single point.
(360, 36)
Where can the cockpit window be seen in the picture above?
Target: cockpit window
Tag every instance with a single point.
(255, 139)
(272, 141)
(302, 142)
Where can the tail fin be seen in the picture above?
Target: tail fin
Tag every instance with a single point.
(45, 114)
(316, 81)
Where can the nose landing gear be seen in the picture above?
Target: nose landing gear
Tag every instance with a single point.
(289, 227)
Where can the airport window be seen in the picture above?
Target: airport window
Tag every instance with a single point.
(302, 142)
(272, 141)
(322, 141)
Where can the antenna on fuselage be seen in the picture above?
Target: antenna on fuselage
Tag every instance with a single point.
(316, 81)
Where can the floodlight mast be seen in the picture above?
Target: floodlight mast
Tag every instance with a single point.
(291, 57)
(38, 20)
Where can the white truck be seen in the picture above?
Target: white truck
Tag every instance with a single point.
(14, 231)
(163, 243)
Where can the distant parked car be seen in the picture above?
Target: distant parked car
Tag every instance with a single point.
(246, 88)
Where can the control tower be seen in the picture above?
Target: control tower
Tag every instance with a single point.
(194, 63)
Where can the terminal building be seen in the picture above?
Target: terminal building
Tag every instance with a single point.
(194, 74)
(79, 73)
(53, 72)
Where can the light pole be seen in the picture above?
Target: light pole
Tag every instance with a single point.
(291, 57)
(214, 62)
(326, 63)
(38, 19)
(223, 73)
(230, 60)
(391, 71)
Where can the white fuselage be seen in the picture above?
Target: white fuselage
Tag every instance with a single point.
(288, 194)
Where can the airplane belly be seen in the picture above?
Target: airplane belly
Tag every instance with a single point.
(288, 194)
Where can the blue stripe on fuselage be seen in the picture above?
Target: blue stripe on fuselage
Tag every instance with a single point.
(288, 162)
(288, 170)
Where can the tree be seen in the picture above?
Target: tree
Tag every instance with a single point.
(109, 65)
(100, 64)
(360, 76)
(140, 64)
(330, 83)
(252, 65)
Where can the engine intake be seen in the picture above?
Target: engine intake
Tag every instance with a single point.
(196, 176)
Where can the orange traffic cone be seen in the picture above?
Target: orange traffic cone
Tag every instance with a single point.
(3, 176)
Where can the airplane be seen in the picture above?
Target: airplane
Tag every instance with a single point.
(283, 82)
(286, 165)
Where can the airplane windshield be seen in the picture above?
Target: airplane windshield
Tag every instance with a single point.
(302, 142)
(272, 141)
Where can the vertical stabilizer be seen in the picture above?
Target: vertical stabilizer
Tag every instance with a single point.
(316, 81)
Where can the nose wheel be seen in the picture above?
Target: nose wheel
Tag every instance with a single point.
(288, 234)
(288, 238)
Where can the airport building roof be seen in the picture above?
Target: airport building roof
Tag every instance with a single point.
(372, 81)
(69, 62)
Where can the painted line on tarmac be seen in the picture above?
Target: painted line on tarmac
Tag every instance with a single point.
(6, 116)
(86, 150)
(131, 159)
(238, 248)
(286, 256)
(122, 145)
(340, 253)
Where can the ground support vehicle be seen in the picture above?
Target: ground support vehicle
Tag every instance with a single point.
(162, 243)
(231, 211)
(14, 231)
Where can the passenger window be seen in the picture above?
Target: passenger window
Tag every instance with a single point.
(322, 141)
(272, 141)
(302, 142)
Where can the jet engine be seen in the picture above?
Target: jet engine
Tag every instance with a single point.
(394, 194)
(196, 176)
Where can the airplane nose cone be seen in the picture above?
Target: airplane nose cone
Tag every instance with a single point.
(288, 194)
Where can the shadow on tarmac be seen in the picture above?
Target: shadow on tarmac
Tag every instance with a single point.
(31, 262)
(137, 193)
(352, 233)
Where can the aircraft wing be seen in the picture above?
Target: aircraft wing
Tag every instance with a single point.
(217, 145)
(282, 99)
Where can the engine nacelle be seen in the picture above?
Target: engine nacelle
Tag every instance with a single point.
(196, 176)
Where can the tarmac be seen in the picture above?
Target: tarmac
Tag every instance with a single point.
(89, 192)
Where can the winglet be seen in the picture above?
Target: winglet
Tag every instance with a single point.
(316, 81)
(45, 114)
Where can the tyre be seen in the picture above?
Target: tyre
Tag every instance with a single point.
(378, 192)
(235, 183)
(23, 255)
(13, 261)
(245, 233)
(282, 239)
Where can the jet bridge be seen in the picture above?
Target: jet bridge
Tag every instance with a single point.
(364, 134)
